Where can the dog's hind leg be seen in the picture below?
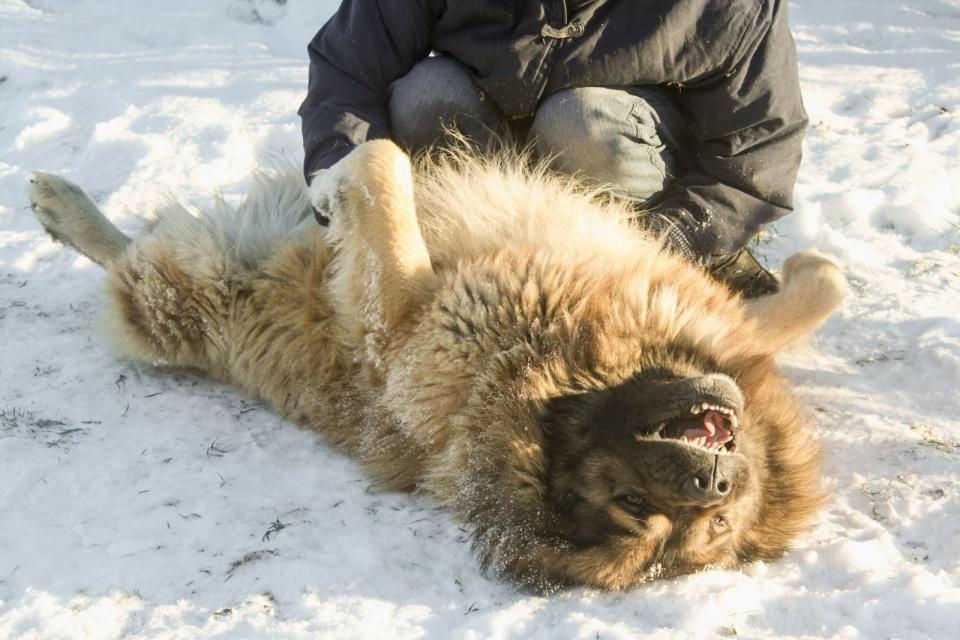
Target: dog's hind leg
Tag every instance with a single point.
(812, 288)
(70, 217)
(382, 273)
(175, 291)
(165, 304)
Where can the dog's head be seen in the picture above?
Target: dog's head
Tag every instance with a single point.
(662, 464)
(672, 464)
(631, 423)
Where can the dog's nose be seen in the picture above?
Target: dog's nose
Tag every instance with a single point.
(707, 487)
(715, 478)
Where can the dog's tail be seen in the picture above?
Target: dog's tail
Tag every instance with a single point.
(70, 217)
(812, 287)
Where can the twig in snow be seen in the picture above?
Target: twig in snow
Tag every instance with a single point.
(253, 556)
(213, 451)
(275, 527)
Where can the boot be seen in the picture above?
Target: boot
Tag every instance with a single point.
(742, 273)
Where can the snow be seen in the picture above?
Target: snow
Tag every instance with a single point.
(142, 502)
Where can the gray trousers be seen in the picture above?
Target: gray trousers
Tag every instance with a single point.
(631, 138)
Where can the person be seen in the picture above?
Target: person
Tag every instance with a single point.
(690, 108)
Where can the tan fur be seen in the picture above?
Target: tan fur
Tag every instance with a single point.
(812, 288)
(426, 332)
(84, 227)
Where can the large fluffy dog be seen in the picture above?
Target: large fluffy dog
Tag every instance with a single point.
(598, 410)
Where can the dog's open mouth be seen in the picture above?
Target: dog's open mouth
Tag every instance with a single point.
(703, 412)
(710, 425)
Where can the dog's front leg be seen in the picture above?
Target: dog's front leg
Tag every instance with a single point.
(382, 272)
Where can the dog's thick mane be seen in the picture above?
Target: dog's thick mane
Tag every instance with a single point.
(470, 205)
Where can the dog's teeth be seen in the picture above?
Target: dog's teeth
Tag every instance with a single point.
(661, 427)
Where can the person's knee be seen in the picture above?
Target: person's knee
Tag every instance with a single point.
(436, 96)
(608, 135)
(572, 123)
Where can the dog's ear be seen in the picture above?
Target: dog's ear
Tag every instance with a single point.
(812, 287)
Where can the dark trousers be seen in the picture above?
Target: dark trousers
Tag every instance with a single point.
(630, 138)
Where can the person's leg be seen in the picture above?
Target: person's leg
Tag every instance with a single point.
(631, 138)
(436, 95)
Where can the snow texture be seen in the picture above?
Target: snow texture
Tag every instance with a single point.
(142, 502)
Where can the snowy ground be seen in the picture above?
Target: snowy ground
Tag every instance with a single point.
(145, 503)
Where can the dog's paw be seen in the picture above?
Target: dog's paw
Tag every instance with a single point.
(323, 196)
(327, 190)
(53, 201)
(370, 175)
(814, 268)
(71, 218)
(808, 260)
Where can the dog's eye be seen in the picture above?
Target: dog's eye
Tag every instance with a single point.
(633, 502)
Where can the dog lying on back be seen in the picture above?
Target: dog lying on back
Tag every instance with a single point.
(500, 338)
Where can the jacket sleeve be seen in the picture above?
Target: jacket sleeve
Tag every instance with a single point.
(354, 58)
(748, 126)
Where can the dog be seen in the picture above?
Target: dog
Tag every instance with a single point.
(498, 337)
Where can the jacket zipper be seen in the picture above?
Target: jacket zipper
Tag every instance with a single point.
(554, 36)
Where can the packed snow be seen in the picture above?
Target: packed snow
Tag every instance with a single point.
(140, 502)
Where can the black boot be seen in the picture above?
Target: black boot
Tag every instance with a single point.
(742, 273)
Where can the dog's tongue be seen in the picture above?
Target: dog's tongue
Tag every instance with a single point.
(713, 433)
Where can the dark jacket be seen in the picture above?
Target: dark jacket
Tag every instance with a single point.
(730, 63)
